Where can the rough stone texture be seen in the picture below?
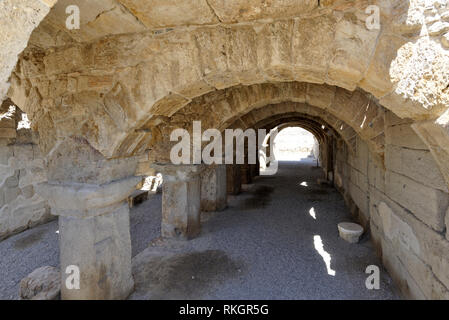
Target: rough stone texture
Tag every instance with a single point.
(24, 13)
(101, 247)
(428, 204)
(370, 126)
(405, 216)
(90, 198)
(163, 13)
(181, 201)
(233, 179)
(245, 174)
(137, 197)
(254, 53)
(97, 19)
(447, 224)
(21, 171)
(416, 164)
(403, 135)
(412, 250)
(43, 283)
(213, 188)
(116, 88)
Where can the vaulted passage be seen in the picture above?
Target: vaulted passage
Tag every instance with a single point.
(104, 104)
(276, 240)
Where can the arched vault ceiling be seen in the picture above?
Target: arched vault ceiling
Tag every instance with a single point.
(349, 112)
(313, 124)
(131, 62)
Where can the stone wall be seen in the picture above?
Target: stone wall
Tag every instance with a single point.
(24, 13)
(403, 200)
(21, 169)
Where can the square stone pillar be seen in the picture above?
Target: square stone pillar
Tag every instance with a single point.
(94, 237)
(253, 169)
(245, 170)
(233, 179)
(181, 200)
(89, 194)
(213, 188)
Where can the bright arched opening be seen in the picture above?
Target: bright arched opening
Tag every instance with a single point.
(295, 144)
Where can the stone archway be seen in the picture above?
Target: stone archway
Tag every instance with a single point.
(101, 96)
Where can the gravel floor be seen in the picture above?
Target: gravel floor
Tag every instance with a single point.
(272, 242)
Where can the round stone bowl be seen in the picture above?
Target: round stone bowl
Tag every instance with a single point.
(350, 231)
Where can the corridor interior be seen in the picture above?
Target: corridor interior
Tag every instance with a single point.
(277, 239)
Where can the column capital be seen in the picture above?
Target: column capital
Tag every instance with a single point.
(87, 200)
(181, 172)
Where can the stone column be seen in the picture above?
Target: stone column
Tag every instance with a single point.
(246, 168)
(268, 152)
(89, 194)
(254, 170)
(233, 179)
(213, 188)
(181, 200)
(245, 171)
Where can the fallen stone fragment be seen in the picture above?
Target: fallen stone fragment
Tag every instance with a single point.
(350, 231)
(43, 283)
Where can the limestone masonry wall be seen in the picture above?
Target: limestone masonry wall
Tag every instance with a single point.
(404, 202)
(21, 169)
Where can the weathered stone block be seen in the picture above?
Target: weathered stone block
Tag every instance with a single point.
(447, 224)
(360, 198)
(6, 153)
(359, 179)
(43, 283)
(427, 204)
(213, 188)
(13, 181)
(167, 13)
(245, 174)
(404, 136)
(11, 194)
(233, 179)
(181, 208)
(391, 119)
(404, 281)
(407, 231)
(100, 247)
(29, 214)
(349, 231)
(360, 159)
(418, 165)
(376, 173)
(181, 200)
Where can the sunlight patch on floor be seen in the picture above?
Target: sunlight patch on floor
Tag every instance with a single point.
(318, 243)
(312, 213)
